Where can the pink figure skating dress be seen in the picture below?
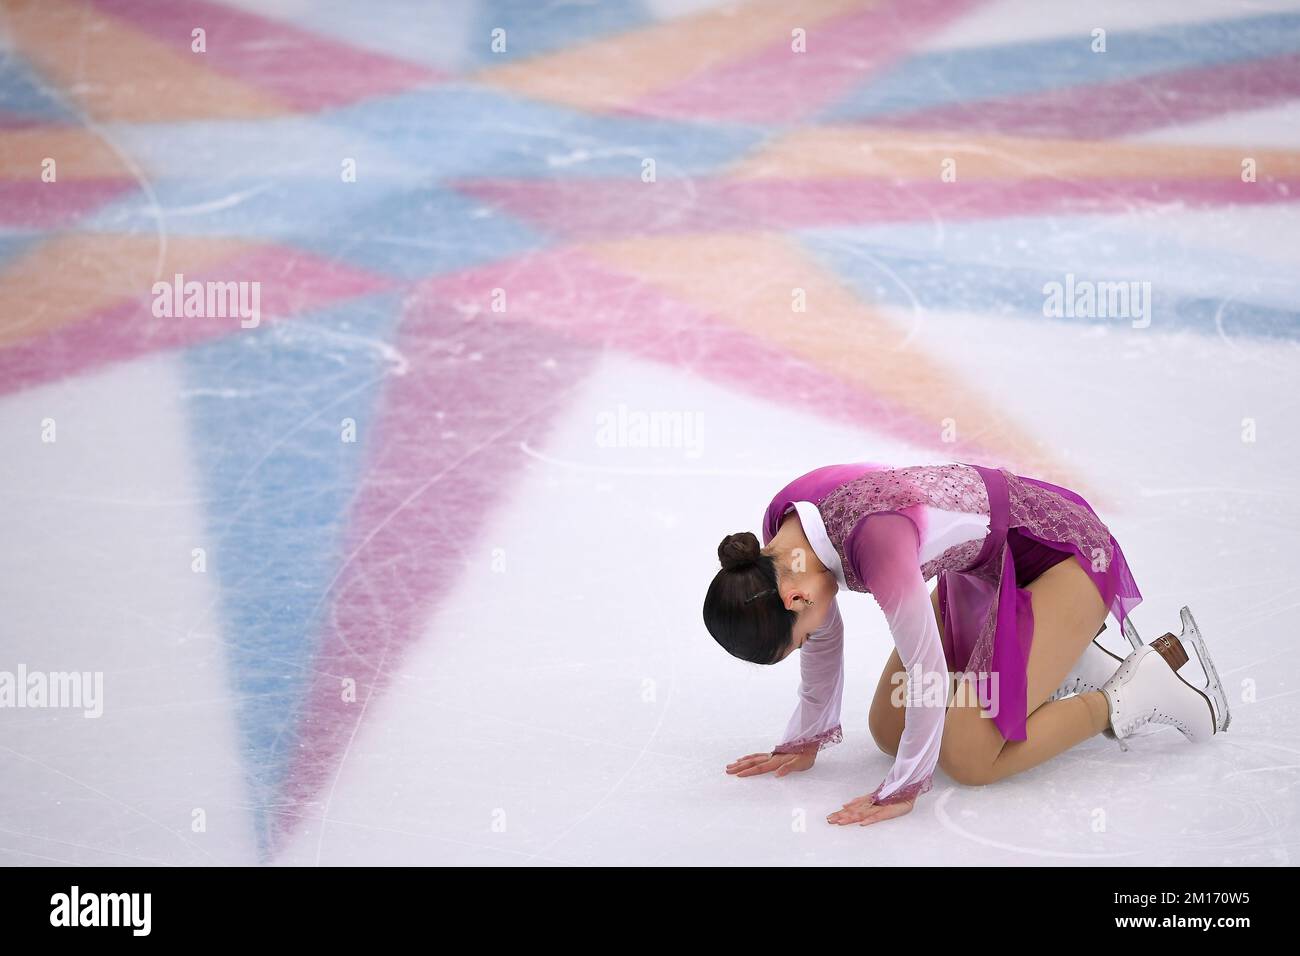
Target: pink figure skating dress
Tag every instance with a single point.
(985, 533)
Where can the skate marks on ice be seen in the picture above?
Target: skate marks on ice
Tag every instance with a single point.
(1225, 802)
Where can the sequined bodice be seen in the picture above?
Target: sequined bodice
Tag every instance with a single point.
(949, 487)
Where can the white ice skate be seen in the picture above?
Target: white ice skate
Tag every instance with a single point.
(1095, 665)
(1147, 689)
(1093, 668)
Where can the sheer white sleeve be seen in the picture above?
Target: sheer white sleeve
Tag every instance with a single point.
(885, 549)
(816, 720)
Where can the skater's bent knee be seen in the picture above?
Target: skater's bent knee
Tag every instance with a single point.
(969, 770)
(971, 744)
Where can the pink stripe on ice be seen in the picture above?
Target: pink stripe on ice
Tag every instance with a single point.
(602, 209)
(308, 71)
(780, 85)
(1110, 110)
(445, 454)
(38, 205)
(568, 292)
(291, 283)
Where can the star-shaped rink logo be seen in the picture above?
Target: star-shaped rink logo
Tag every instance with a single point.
(447, 233)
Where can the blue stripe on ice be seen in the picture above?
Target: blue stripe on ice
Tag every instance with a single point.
(533, 28)
(14, 245)
(22, 92)
(472, 132)
(422, 232)
(254, 208)
(1176, 257)
(384, 224)
(399, 142)
(265, 407)
(1231, 317)
(984, 271)
(290, 148)
(456, 35)
(419, 31)
(1016, 69)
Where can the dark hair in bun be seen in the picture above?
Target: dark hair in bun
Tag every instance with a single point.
(743, 609)
(738, 551)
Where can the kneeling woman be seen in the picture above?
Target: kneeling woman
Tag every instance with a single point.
(994, 673)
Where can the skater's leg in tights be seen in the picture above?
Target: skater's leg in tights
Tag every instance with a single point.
(1068, 612)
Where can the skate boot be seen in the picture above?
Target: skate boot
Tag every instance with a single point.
(1090, 672)
(1147, 689)
(1095, 665)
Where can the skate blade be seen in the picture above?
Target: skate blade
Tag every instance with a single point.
(1131, 633)
(1140, 732)
(1214, 686)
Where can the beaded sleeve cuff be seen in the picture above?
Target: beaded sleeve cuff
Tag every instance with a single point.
(910, 792)
(821, 741)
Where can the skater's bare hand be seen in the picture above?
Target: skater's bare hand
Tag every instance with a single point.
(864, 813)
(755, 764)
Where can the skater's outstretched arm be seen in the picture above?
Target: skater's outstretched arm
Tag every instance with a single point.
(815, 723)
(885, 549)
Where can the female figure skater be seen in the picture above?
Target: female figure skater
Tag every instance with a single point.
(994, 673)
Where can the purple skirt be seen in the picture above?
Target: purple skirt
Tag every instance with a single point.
(987, 613)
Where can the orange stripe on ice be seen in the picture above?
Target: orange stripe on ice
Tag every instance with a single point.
(73, 277)
(614, 71)
(749, 281)
(77, 153)
(114, 72)
(847, 151)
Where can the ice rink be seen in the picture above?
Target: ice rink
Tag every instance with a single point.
(402, 561)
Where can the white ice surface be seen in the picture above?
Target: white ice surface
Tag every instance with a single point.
(601, 734)
(569, 707)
